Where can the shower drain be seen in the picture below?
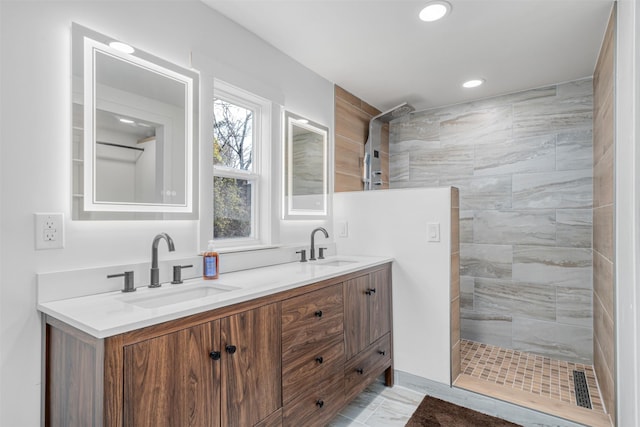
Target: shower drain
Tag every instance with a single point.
(582, 389)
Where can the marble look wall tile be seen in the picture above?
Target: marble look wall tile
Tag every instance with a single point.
(604, 332)
(467, 285)
(466, 226)
(535, 227)
(537, 154)
(490, 261)
(603, 231)
(555, 340)
(486, 192)
(603, 282)
(515, 299)
(574, 306)
(411, 146)
(414, 184)
(424, 166)
(575, 89)
(494, 329)
(603, 185)
(574, 150)
(502, 100)
(552, 266)
(486, 124)
(566, 189)
(455, 161)
(574, 227)
(552, 114)
(421, 126)
(399, 167)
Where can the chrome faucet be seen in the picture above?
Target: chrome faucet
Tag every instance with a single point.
(155, 271)
(312, 256)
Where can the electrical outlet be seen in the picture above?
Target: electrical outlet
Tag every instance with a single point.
(49, 230)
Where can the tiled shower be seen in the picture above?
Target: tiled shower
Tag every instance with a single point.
(523, 164)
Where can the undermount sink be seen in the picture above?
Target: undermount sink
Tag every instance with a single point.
(336, 262)
(175, 296)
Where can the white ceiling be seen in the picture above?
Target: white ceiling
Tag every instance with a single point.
(380, 51)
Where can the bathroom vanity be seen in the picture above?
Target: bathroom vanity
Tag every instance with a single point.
(284, 345)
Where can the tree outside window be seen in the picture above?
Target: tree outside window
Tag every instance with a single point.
(233, 182)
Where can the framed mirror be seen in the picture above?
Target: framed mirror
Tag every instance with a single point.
(135, 128)
(305, 168)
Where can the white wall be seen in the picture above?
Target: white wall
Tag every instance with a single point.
(35, 169)
(394, 223)
(627, 234)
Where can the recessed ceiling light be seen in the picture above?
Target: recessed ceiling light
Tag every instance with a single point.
(473, 83)
(122, 47)
(127, 121)
(435, 10)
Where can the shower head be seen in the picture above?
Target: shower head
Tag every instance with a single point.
(394, 113)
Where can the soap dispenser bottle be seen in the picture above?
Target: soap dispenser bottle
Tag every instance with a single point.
(210, 263)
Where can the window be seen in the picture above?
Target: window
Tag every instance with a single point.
(241, 185)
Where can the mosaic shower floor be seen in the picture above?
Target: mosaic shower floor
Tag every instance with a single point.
(534, 374)
(529, 372)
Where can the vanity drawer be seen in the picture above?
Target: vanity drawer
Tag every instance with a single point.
(311, 366)
(317, 406)
(368, 364)
(312, 317)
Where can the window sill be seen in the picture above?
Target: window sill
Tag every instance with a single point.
(249, 248)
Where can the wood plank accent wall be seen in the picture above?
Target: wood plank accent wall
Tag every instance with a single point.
(603, 210)
(456, 362)
(352, 116)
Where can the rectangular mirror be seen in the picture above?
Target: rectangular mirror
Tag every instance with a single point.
(305, 168)
(134, 132)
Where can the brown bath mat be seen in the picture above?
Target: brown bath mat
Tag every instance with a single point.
(434, 412)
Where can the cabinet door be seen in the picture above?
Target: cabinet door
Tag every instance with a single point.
(356, 315)
(379, 304)
(251, 366)
(172, 381)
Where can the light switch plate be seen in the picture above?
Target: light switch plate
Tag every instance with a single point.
(49, 231)
(433, 232)
(343, 229)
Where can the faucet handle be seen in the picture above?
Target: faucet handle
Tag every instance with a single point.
(177, 273)
(303, 255)
(128, 280)
(321, 256)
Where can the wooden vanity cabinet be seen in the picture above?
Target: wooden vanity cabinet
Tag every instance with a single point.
(220, 368)
(367, 329)
(294, 358)
(313, 357)
(199, 376)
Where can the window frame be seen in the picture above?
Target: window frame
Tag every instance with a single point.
(259, 176)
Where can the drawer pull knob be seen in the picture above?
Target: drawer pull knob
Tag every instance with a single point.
(382, 352)
(231, 349)
(318, 313)
(360, 371)
(319, 359)
(370, 291)
(319, 403)
(215, 355)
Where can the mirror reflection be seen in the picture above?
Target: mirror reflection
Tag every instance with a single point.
(305, 167)
(135, 121)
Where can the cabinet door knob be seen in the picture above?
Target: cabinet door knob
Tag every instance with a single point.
(320, 403)
(230, 349)
(318, 313)
(360, 371)
(382, 352)
(215, 355)
(319, 359)
(370, 291)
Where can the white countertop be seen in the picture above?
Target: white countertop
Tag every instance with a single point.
(113, 313)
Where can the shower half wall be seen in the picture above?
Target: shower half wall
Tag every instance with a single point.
(523, 164)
